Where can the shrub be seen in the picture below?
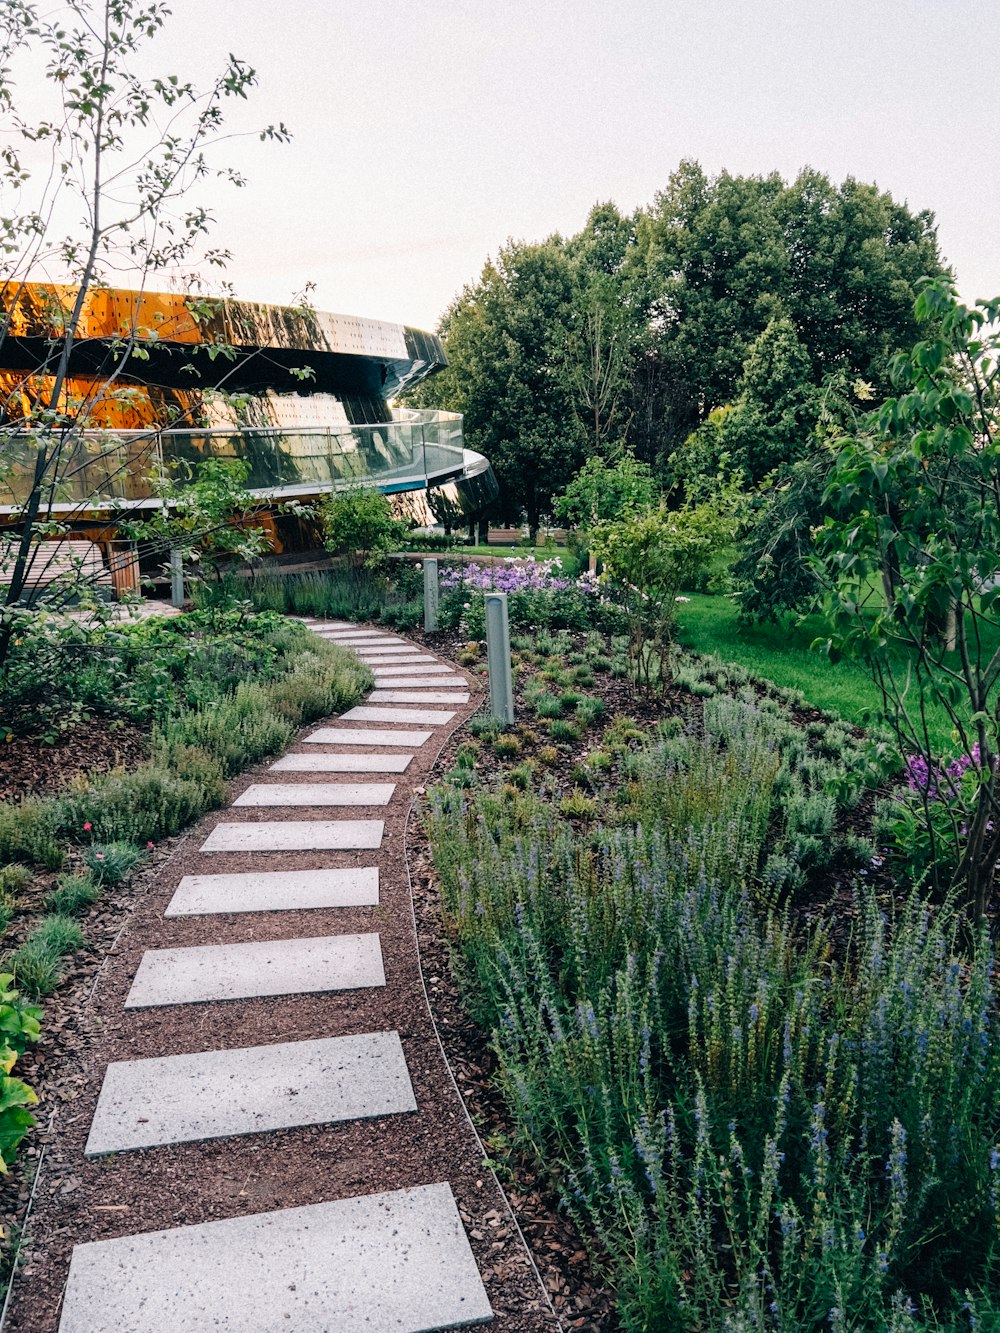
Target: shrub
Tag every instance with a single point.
(37, 965)
(561, 730)
(507, 746)
(758, 1130)
(27, 834)
(111, 862)
(359, 523)
(73, 896)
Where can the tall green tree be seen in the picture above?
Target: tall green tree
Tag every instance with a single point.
(506, 337)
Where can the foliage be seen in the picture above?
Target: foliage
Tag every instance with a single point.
(506, 342)
(194, 749)
(207, 514)
(61, 672)
(774, 573)
(647, 561)
(18, 1027)
(392, 594)
(539, 595)
(37, 964)
(911, 553)
(602, 493)
(758, 1132)
(359, 523)
(630, 334)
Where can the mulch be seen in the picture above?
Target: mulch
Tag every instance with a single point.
(30, 767)
(79, 1200)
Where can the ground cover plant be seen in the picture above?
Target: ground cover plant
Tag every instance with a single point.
(391, 594)
(219, 689)
(763, 1114)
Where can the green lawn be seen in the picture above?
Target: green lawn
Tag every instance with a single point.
(782, 654)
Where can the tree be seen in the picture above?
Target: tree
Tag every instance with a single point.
(505, 337)
(127, 191)
(207, 514)
(600, 493)
(648, 559)
(910, 552)
(774, 415)
(728, 255)
(359, 523)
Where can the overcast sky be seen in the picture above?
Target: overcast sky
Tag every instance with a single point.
(427, 132)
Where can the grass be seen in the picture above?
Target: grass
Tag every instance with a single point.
(782, 653)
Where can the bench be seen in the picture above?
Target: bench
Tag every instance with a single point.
(505, 536)
(63, 562)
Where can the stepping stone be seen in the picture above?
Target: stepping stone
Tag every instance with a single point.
(356, 632)
(317, 793)
(397, 659)
(382, 1263)
(368, 736)
(250, 1090)
(418, 697)
(342, 763)
(267, 967)
(274, 891)
(420, 682)
(296, 835)
(385, 650)
(405, 670)
(427, 716)
(365, 643)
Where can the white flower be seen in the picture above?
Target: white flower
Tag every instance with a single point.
(682, 599)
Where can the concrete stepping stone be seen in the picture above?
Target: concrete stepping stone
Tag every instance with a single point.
(358, 632)
(342, 763)
(405, 669)
(385, 649)
(419, 682)
(368, 736)
(380, 1263)
(426, 696)
(427, 716)
(356, 644)
(396, 659)
(274, 891)
(250, 1090)
(265, 967)
(296, 835)
(317, 793)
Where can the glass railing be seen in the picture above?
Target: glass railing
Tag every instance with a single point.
(414, 450)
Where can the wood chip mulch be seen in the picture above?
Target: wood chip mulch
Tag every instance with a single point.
(31, 767)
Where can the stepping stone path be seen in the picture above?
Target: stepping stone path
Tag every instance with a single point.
(272, 967)
(383, 1260)
(213, 1094)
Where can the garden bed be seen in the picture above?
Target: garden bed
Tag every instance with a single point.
(555, 775)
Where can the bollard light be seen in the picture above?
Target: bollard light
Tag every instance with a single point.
(498, 658)
(430, 595)
(176, 577)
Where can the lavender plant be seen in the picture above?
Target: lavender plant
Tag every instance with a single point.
(757, 1130)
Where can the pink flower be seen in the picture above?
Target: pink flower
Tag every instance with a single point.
(98, 856)
(150, 845)
(87, 828)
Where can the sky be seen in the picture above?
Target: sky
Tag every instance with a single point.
(426, 134)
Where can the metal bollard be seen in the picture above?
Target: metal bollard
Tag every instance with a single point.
(430, 595)
(176, 577)
(498, 658)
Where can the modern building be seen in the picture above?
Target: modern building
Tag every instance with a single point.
(165, 380)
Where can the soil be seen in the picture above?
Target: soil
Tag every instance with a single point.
(79, 1200)
(29, 767)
